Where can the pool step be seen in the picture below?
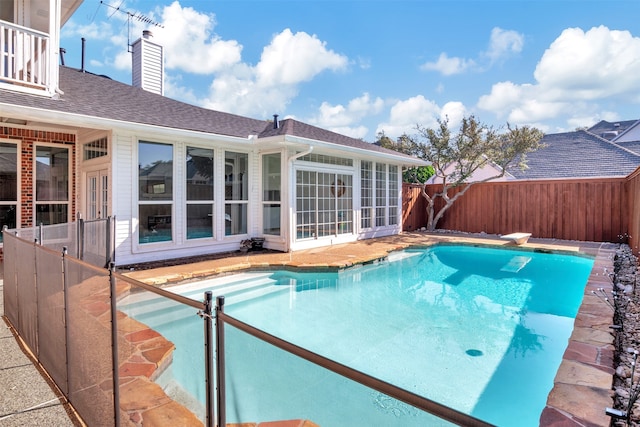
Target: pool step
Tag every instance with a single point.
(149, 307)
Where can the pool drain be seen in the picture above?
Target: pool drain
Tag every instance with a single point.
(474, 352)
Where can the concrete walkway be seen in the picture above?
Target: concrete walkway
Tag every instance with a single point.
(26, 398)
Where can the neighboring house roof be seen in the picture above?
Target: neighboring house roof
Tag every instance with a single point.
(578, 154)
(610, 130)
(91, 95)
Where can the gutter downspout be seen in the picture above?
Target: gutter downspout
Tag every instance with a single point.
(302, 154)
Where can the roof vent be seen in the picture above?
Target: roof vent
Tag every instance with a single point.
(275, 121)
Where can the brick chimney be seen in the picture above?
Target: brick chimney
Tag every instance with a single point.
(148, 64)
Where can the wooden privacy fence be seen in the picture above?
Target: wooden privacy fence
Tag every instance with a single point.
(594, 209)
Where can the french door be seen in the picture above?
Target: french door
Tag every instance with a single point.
(97, 195)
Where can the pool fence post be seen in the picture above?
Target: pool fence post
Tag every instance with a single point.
(220, 365)
(80, 237)
(208, 357)
(114, 345)
(67, 332)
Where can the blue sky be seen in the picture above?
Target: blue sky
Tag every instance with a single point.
(361, 67)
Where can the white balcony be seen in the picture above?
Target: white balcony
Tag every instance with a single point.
(25, 59)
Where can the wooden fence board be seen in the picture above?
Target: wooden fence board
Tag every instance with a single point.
(595, 209)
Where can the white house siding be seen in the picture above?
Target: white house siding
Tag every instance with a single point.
(122, 149)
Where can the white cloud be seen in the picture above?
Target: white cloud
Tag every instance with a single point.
(294, 58)
(454, 112)
(342, 119)
(405, 115)
(599, 63)
(190, 44)
(448, 66)
(504, 42)
(289, 60)
(93, 31)
(501, 44)
(358, 132)
(578, 70)
(363, 63)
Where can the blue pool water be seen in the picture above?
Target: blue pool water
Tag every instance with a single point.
(481, 330)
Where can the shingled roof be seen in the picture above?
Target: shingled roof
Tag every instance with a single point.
(92, 95)
(578, 154)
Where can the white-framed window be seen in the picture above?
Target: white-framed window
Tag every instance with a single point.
(95, 149)
(271, 193)
(52, 184)
(324, 204)
(381, 194)
(393, 195)
(200, 208)
(9, 179)
(155, 192)
(236, 192)
(366, 193)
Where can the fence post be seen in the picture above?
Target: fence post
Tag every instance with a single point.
(108, 241)
(114, 345)
(80, 238)
(67, 333)
(220, 365)
(208, 358)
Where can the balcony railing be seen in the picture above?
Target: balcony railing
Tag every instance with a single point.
(24, 57)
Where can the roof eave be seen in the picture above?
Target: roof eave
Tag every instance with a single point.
(397, 159)
(92, 122)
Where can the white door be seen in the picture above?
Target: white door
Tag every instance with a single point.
(97, 195)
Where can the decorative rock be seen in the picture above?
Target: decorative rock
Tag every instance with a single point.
(623, 372)
(627, 339)
(622, 393)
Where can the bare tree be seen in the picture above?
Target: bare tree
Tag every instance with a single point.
(455, 158)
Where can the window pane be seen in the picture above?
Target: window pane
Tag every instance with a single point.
(51, 214)
(344, 203)
(235, 176)
(155, 223)
(52, 173)
(271, 219)
(199, 174)
(155, 171)
(199, 221)
(7, 217)
(366, 193)
(271, 177)
(381, 194)
(8, 172)
(393, 195)
(95, 149)
(235, 219)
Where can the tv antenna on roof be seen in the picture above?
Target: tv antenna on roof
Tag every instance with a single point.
(132, 15)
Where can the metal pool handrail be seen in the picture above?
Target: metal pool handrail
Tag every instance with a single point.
(427, 405)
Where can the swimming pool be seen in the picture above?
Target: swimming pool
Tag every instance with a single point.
(481, 330)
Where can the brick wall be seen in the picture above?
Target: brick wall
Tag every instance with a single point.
(28, 139)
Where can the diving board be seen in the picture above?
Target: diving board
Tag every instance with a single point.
(517, 238)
